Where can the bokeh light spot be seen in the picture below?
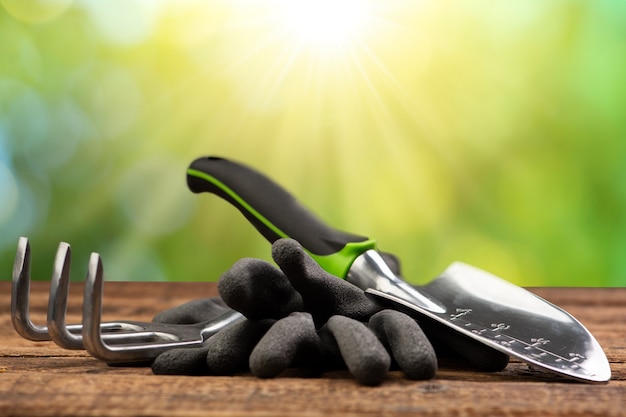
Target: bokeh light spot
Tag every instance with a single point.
(36, 11)
(116, 102)
(67, 130)
(153, 196)
(30, 59)
(9, 191)
(123, 22)
(20, 208)
(30, 120)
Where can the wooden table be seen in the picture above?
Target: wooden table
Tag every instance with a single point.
(37, 378)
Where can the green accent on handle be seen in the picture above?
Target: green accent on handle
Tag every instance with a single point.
(237, 198)
(337, 263)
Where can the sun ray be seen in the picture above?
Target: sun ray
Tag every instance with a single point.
(421, 122)
(277, 73)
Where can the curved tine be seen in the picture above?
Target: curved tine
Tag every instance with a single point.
(92, 315)
(133, 353)
(57, 303)
(20, 294)
(92, 309)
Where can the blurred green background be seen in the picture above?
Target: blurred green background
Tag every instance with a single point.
(488, 132)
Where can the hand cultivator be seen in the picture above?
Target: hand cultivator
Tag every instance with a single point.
(115, 342)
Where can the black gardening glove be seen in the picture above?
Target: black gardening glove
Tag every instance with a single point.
(301, 316)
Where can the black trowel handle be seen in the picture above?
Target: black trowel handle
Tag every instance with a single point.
(275, 213)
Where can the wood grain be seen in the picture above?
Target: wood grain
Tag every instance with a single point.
(40, 379)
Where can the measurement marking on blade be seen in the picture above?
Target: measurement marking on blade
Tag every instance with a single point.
(531, 350)
(574, 357)
(508, 343)
(460, 312)
(536, 342)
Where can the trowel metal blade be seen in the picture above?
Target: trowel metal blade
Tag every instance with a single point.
(509, 319)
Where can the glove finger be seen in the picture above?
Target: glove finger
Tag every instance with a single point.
(258, 290)
(288, 340)
(229, 349)
(364, 355)
(194, 311)
(477, 354)
(330, 355)
(181, 361)
(409, 346)
(323, 294)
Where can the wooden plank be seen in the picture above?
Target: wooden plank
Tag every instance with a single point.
(40, 379)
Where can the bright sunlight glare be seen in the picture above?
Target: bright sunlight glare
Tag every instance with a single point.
(325, 23)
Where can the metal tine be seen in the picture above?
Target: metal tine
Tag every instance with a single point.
(113, 342)
(20, 296)
(66, 336)
(158, 337)
(69, 336)
(57, 303)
